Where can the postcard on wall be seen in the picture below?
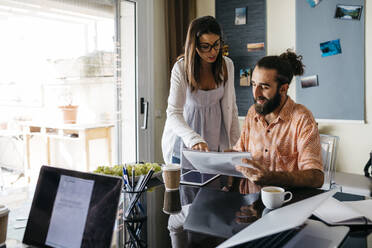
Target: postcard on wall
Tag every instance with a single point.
(240, 16)
(330, 48)
(245, 77)
(310, 81)
(225, 50)
(256, 46)
(348, 12)
(313, 3)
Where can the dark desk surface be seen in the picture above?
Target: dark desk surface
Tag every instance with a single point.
(357, 236)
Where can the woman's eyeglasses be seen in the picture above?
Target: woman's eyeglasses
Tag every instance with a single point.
(206, 47)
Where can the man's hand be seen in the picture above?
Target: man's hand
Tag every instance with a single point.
(247, 214)
(259, 175)
(201, 147)
(230, 150)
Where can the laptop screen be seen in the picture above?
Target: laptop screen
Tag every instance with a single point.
(72, 209)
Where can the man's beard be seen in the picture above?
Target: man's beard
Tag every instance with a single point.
(269, 106)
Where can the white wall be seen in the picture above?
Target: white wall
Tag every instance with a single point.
(281, 30)
(355, 139)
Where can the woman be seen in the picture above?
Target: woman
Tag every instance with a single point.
(202, 113)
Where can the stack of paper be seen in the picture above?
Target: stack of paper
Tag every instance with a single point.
(335, 212)
(222, 163)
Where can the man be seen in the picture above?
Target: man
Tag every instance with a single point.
(281, 135)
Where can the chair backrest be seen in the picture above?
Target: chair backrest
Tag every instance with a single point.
(329, 155)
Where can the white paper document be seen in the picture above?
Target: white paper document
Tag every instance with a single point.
(335, 212)
(70, 212)
(278, 220)
(217, 162)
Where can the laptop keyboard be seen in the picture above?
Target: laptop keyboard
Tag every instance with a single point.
(276, 240)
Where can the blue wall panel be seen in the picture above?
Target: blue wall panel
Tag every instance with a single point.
(238, 36)
(340, 94)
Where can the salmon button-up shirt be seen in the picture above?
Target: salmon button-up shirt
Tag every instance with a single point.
(290, 143)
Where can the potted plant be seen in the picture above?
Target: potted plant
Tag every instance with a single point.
(69, 111)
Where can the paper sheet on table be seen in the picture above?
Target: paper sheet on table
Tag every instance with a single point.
(335, 212)
(217, 162)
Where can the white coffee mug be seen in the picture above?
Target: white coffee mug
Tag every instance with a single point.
(274, 197)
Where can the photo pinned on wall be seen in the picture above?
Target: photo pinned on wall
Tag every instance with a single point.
(225, 50)
(310, 81)
(245, 77)
(348, 12)
(313, 3)
(330, 48)
(256, 46)
(241, 16)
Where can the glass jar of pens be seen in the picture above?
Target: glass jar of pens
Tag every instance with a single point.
(134, 212)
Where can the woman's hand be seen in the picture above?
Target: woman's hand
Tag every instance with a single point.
(229, 186)
(201, 147)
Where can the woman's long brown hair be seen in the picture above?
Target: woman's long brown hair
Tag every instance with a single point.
(198, 27)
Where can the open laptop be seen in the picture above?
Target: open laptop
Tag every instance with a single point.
(285, 220)
(72, 209)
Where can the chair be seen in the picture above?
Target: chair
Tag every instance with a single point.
(329, 155)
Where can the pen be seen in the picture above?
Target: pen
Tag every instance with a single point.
(146, 179)
(125, 185)
(133, 176)
(125, 175)
(139, 182)
(137, 195)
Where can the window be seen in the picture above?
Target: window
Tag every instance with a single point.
(56, 53)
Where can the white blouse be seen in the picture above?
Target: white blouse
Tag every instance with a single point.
(176, 125)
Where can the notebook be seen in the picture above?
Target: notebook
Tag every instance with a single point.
(72, 209)
(279, 220)
(335, 212)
